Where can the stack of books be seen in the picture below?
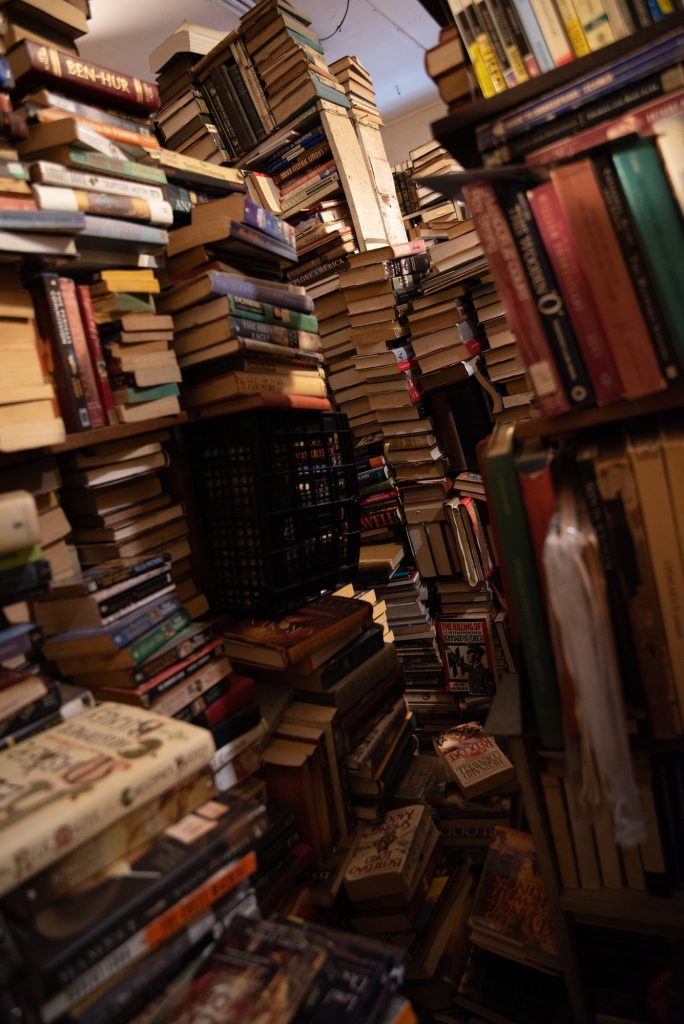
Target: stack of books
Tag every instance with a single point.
(437, 214)
(119, 506)
(289, 59)
(406, 190)
(121, 632)
(29, 415)
(61, 25)
(446, 65)
(358, 85)
(332, 653)
(348, 388)
(236, 335)
(149, 854)
(184, 121)
(229, 84)
(381, 511)
(324, 236)
(141, 364)
(405, 891)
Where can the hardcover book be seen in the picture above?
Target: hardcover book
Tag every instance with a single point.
(87, 773)
(511, 903)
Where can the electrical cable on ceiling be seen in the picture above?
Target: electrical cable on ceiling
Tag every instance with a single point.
(344, 18)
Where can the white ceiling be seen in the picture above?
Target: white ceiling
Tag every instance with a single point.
(388, 36)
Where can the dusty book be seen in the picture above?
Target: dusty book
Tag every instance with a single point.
(474, 761)
(63, 786)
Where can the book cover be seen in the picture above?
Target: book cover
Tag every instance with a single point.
(511, 902)
(387, 853)
(473, 760)
(466, 648)
(89, 772)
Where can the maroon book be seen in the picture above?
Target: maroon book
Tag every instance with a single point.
(85, 364)
(92, 334)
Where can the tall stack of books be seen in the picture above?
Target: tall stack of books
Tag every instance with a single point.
(62, 25)
(358, 85)
(154, 816)
(184, 121)
(407, 193)
(289, 59)
(29, 414)
(437, 214)
(119, 506)
(238, 335)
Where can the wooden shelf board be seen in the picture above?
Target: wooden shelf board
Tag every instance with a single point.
(85, 438)
(626, 906)
(456, 132)
(661, 401)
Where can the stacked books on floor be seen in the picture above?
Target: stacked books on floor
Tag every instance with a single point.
(235, 335)
(29, 416)
(336, 753)
(155, 814)
(403, 889)
(507, 47)
(119, 506)
(358, 85)
(289, 59)
(437, 214)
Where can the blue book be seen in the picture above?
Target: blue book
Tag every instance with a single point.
(535, 36)
(307, 141)
(646, 61)
(127, 630)
(259, 217)
(222, 283)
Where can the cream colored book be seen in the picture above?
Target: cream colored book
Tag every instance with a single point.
(63, 786)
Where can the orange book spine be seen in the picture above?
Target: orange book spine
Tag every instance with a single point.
(608, 278)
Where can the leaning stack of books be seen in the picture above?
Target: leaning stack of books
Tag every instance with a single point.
(153, 815)
(289, 59)
(358, 85)
(29, 416)
(437, 214)
(183, 120)
(349, 390)
(237, 335)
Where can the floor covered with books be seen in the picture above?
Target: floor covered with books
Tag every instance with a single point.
(341, 525)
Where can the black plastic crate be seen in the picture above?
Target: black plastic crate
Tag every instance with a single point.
(277, 497)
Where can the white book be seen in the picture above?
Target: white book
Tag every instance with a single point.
(48, 173)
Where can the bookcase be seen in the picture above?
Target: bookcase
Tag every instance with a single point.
(641, 909)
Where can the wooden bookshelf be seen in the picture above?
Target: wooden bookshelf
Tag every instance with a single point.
(626, 907)
(100, 435)
(661, 401)
(456, 132)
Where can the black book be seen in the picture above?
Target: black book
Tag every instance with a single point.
(24, 581)
(241, 721)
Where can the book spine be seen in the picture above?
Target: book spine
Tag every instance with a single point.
(472, 49)
(595, 23)
(663, 54)
(501, 26)
(185, 647)
(485, 48)
(127, 633)
(266, 313)
(113, 132)
(81, 349)
(122, 168)
(311, 156)
(665, 341)
(659, 230)
(109, 228)
(160, 684)
(178, 906)
(548, 297)
(372, 476)
(553, 32)
(483, 13)
(50, 198)
(58, 104)
(508, 271)
(520, 40)
(253, 83)
(534, 35)
(609, 281)
(258, 331)
(72, 72)
(258, 217)
(573, 27)
(55, 174)
(245, 100)
(152, 641)
(202, 680)
(243, 129)
(620, 18)
(564, 257)
(96, 354)
(508, 512)
(54, 327)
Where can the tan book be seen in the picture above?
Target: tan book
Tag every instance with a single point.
(89, 772)
(385, 857)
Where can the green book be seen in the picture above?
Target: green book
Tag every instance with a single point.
(659, 226)
(132, 396)
(508, 512)
(13, 559)
(98, 162)
(151, 642)
(266, 313)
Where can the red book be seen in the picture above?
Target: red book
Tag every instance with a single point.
(241, 693)
(17, 202)
(608, 278)
(104, 388)
(504, 259)
(564, 257)
(85, 365)
(36, 66)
